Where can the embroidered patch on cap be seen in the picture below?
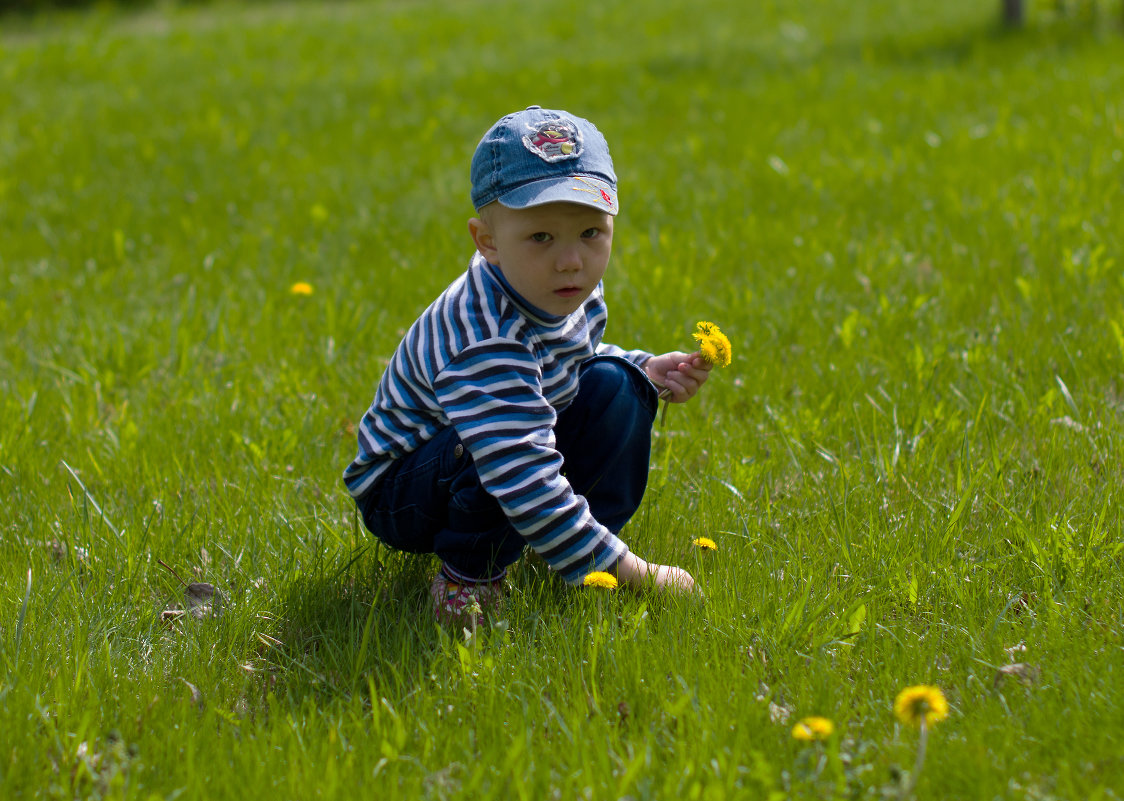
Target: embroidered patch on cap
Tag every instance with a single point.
(554, 140)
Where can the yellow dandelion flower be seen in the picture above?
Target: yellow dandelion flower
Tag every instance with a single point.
(706, 543)
(922, 702)
(713, 344)
(301, 288)
(813, 728)
(599, 578)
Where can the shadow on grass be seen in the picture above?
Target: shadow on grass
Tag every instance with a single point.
(938, 47)
(358, 623)
(990, 41)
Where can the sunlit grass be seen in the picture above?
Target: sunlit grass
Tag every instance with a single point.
(216, 224)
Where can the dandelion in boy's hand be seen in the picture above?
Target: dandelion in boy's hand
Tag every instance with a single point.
(714, 349)
(713, 344)
(599, 578)
(813, 728)
(921, 704)
(301, 288)
(706, 543)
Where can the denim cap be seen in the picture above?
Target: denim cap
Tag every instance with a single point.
(539, 156)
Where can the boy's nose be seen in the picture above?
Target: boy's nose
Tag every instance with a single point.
(569, 260)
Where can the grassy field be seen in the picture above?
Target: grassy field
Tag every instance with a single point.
(908, 222)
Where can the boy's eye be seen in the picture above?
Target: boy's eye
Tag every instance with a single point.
(589, 233)
(541, 236)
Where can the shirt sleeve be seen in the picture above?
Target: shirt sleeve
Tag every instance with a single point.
(492, 395)
(637, 357)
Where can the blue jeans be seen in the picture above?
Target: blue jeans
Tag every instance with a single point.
(432, 500)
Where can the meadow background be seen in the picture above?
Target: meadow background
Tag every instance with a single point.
(907, 220)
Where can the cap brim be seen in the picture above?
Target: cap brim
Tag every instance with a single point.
(581, 189)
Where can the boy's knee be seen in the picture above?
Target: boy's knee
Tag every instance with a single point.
(617, 385)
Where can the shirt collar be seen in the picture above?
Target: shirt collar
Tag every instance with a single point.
(533, 312)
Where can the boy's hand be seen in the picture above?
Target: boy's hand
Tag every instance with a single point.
(679, 375)
(634, 571)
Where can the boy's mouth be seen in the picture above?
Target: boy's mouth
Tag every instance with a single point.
(568, 291)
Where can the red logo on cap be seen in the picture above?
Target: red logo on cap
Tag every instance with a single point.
(589, 186)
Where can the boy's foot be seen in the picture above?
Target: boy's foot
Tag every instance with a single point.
(456, 602)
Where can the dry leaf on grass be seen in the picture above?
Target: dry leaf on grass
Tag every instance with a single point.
(1026, 674)
(200, 599)
(203, 599)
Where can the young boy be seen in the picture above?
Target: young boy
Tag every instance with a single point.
(502, 420)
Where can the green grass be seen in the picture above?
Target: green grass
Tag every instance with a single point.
(908, 222)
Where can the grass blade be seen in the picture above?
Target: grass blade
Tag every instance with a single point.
(19, 625)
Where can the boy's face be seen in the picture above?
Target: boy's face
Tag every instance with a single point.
(553, 255)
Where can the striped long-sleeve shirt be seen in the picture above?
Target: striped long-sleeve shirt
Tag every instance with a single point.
(484, 361)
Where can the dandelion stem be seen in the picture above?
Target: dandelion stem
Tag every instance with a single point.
(920, 761)
(664, 395)
(820, 765)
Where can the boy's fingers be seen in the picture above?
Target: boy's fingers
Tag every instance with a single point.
(679, 392)
(680, 580)
(685, 384)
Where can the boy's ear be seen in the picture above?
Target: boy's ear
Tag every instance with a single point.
(484, 239)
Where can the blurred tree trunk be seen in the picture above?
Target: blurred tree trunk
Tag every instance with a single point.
(1013, 13)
